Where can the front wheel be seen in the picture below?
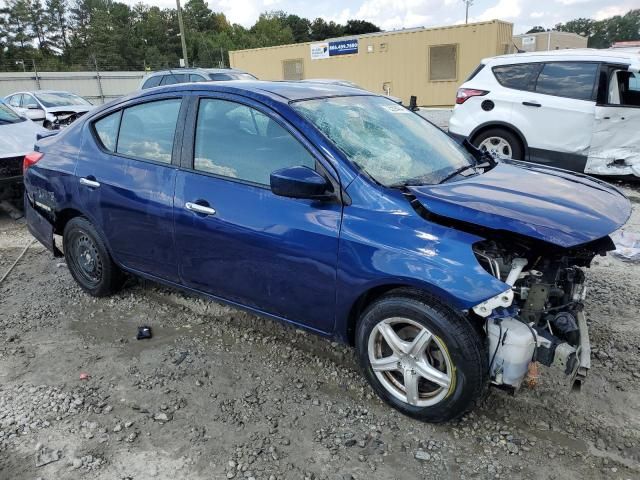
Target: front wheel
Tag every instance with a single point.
(88, 259)
(422, 358)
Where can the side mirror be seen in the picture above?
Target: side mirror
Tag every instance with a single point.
(300, 182)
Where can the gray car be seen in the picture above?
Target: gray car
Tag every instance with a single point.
(184, 75)
(17, 137)
(51, 108)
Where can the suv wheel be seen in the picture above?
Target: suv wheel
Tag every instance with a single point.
(420, 357)
(88, 259)
(502, 143)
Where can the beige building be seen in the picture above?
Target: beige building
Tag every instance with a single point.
(429, 63)
(544, 41)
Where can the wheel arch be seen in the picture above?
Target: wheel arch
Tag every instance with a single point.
(63, 217)
(505, 126)
(408, 289)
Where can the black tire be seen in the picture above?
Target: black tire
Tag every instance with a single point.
(88, 259)
(468, 368)
(517, 149)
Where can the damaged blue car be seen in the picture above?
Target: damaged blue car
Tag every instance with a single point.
(340, 212)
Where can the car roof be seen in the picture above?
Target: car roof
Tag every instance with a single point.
(576, 54)
(175, 71)
(39, 91)
(282, 92)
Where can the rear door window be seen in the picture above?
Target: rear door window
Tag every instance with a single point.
(236, 141)
(107, 130)
(568, 79)
(196, 78)
(519, 77)
(147, 130)
(152, 82)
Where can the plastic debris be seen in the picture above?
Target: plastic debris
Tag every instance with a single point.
(533, 376)
(84, 376)
(143, 332)
(627, 245)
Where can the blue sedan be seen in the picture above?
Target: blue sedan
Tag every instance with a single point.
(338, 211)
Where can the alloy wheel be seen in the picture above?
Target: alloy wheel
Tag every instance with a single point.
(497, 146)
(410, 362)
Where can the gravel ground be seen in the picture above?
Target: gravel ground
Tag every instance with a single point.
(221, 394)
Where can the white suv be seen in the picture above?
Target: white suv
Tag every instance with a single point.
(574, 109)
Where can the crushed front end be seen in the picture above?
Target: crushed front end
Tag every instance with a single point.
(540, 318)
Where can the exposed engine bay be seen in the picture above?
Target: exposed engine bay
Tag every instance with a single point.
(63, 119)
(540, 319)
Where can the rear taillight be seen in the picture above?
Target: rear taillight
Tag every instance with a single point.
(465, 94)
(31, 159)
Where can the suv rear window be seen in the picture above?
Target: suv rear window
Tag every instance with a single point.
(475, 72)
(519, 76)
(568, 79)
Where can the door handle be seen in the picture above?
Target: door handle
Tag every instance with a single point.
(197, 208)
(89, 183)
(531, 104)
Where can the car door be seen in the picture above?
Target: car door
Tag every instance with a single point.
(16, 103)
(126, 177)
(237, 240)
(556, 117)
(32, 108)
(615, 143)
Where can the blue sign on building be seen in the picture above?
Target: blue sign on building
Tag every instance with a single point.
(343, 47)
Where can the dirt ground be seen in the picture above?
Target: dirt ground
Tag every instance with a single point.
(221, 394)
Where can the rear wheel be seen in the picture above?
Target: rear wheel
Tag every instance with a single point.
(420, 357)
(500, 142)
(88, 259)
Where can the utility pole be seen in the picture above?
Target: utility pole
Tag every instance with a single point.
(35, 70)
(182, 37)
(467, 4)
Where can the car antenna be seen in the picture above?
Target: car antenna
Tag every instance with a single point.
(518, 50)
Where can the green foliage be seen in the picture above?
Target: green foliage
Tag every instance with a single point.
(603, 33)
(80, 34)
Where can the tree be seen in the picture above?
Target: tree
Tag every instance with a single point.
(603, 33)
(270, 30)
(359, 27)
(321, 30)
(537, 29)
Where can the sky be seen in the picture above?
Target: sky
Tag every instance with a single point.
(395, 14)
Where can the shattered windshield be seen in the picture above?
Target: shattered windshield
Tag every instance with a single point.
(389, 142)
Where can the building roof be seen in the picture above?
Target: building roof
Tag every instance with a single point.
(379, 34)
(553, 32)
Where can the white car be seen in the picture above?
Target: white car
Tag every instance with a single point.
(573, 109)
(53, 109)
(17, 138)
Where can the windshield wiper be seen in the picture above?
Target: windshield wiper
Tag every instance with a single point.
(463, 169)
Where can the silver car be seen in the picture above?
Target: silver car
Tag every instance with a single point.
(17, 137)
(53, 109)
(185, 75)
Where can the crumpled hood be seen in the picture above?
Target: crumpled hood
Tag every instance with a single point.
(542, 203)
(71, 108)
(18, 139)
